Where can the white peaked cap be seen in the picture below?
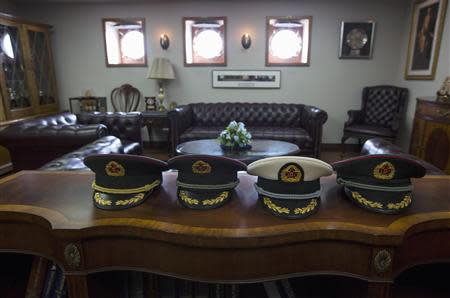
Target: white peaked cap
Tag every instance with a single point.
(268, 168)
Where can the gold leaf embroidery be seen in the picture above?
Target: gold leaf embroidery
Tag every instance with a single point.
(217, 200)
(400, 205)
(306, 209)
(357, 196)
(132, 200)
(274, 207)
(102, 202)
(184, 197)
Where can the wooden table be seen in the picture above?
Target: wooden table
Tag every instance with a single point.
(51, 214)
(157, 123)
(260, 149)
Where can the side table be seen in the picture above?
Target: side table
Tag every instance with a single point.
(157, 123)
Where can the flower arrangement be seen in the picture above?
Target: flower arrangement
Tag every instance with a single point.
(235, 137)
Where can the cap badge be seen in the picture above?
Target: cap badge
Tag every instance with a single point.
(384, 171)
(290, 173)
(201, 167)
(114, 169)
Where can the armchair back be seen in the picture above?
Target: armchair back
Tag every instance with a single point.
(383, 105)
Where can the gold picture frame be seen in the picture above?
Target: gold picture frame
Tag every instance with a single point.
(427, 24)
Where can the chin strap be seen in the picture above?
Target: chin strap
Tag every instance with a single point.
(374, 187)
(208, 186)
(285, 196)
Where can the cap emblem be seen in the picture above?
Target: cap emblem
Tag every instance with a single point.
(114, 169)
(384, 171)
(290, 173)
(201, 167)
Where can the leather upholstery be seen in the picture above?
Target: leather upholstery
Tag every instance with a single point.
(296, 123)
(380, 115)
(32, 143)
(73, 161)
(381, 146)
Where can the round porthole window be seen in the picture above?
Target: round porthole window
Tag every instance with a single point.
(285, 44)
(132, 45)
(208, 44)
(6, 45)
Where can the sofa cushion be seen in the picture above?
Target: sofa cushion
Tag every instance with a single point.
(370, 130)
(287, 134)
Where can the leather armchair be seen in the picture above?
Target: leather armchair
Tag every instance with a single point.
(295, 123)
(381, 146)
(32, 143)
(380, 115)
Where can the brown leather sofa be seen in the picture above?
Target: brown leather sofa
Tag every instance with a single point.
(296, 123)
(382, 146)
(33, 143)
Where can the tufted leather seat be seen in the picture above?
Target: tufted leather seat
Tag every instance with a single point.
(381, 146)
(32, 143)
(380, 115)
(73, 161)
(296, 123)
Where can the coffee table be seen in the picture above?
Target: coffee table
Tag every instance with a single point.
(260, 149)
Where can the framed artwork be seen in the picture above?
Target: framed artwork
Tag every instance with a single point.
(427, 23)
(269, 79)
(288, 41)
(356, 40)
(204, 41)
(124, 42)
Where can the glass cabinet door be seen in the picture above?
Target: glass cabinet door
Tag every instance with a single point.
(42, 66)
(13, 78)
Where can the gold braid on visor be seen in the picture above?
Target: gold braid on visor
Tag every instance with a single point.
(144, 188)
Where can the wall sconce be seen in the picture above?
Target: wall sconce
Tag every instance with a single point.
(164, 41)
(246, 41)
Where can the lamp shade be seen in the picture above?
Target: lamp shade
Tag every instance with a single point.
(161, 69)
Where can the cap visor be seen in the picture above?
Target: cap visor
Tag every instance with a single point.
(108, 201)
(291, 209)
(388, 202)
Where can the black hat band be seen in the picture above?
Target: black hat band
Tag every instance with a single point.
(109, 190)
(208, 186)
(285, 196)
(374, 187)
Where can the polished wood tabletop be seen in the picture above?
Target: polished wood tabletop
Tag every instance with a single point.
(52, 214)
(260, 149)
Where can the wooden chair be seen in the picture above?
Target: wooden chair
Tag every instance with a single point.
(125, 98)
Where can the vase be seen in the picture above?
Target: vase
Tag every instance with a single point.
(235, 148)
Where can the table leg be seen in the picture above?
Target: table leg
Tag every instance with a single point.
(379, 289)
(77, 286)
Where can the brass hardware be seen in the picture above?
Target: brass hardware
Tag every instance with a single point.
(382, 261)
(72, 255)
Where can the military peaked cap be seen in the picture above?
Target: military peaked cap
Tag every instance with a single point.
(380, 183)
(205, 181)
(123, 181)
(289, 186)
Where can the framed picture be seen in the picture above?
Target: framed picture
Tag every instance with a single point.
(427, 23)
(269, 79)
(288, 41)
(356, 40)
(205, 41)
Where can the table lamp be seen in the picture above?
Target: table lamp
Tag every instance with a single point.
(161, 70)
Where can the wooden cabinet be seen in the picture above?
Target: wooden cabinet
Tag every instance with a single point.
(27, 78)
(431, 133)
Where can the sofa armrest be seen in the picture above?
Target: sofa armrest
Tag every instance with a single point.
(312, 120)
(131, 148)
(180, 120)
(354, 116)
